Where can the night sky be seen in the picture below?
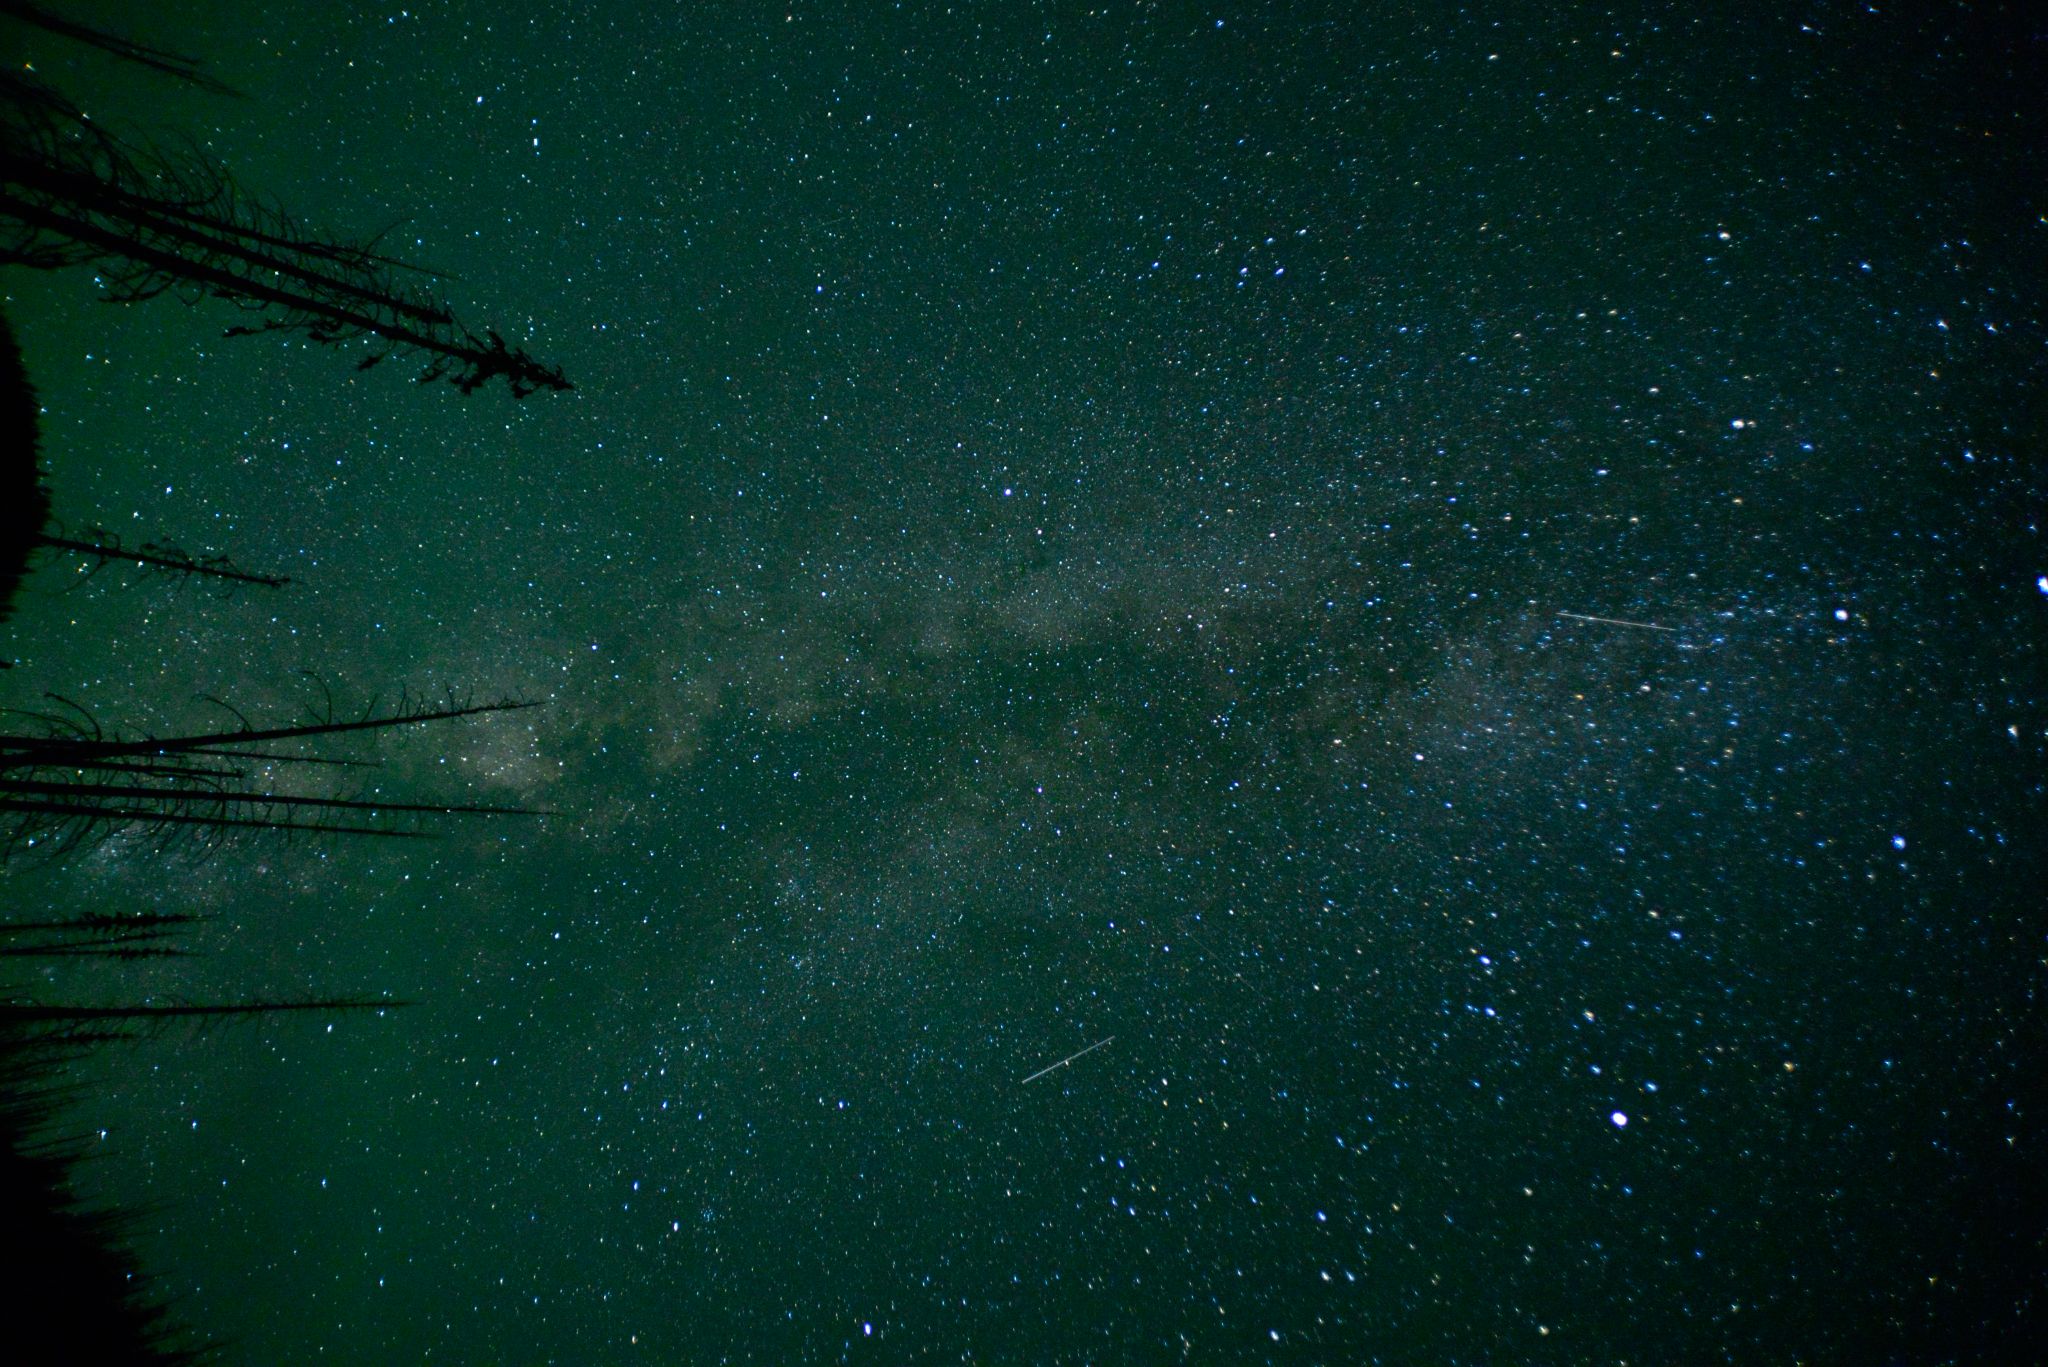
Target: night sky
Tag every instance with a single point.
(1082, 525)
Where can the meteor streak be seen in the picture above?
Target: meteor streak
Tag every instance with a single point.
(1616, 622)
(1068, 1059)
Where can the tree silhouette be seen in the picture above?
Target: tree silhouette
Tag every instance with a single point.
(105, 548)
(168, 63)
(136, 935)
(70, 1280)
(15, 1014)
(157, 217)
(152, 218)
(68, 783)
(24, 503)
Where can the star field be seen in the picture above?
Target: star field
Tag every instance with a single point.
(1464, 584)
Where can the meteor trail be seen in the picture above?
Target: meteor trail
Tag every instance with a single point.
(1068, 1059)
(1616, 622)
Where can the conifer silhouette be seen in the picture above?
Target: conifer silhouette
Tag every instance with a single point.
(153, 218)
(67, 783)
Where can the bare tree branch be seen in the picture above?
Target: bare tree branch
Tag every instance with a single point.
(153, 219)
